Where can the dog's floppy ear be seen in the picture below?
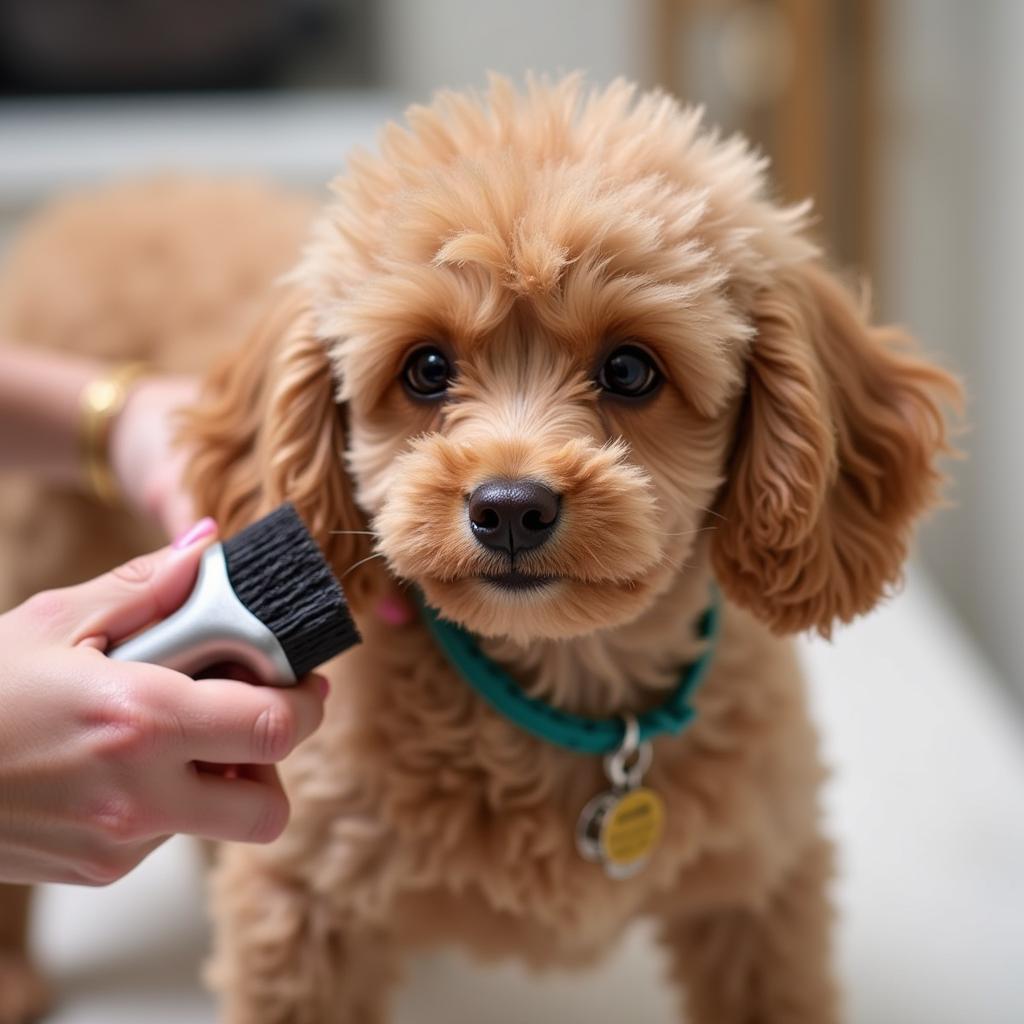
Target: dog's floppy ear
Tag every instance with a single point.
(267, 429)
(835, 457)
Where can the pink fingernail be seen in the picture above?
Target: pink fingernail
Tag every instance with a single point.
(204, 528)
(324, 686)
(393, 611)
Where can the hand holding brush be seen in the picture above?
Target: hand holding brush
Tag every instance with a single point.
(101, 758)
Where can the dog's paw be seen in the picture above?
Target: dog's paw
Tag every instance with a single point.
(24, 995)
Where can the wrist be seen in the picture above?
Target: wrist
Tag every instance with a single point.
(102, 402)
(40, 413)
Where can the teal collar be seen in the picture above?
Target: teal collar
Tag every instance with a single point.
(562, 728)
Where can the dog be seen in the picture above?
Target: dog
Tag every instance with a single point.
(556, 361)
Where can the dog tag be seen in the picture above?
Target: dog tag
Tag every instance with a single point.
(620, 828)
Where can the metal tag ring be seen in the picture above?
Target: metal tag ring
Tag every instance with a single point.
(626, 766)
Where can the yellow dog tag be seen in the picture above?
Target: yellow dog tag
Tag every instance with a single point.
(620, 828)
(632, 828)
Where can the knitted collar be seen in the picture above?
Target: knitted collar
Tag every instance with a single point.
(577, 733)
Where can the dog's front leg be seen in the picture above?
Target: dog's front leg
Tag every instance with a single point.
(23, 993)
(285, 955)
(765, 966)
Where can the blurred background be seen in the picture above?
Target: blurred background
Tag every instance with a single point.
(902, 119)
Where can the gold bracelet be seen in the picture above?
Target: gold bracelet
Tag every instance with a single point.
(101, 401)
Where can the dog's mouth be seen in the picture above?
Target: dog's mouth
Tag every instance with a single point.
(515, 580)
(530, 602)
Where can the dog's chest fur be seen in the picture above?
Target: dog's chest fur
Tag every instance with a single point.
(417, 808)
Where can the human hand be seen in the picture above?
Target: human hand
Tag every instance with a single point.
(148, 466)
(100, 760)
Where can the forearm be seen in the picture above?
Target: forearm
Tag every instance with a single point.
(40, 417)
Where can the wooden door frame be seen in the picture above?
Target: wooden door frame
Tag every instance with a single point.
(822, 129)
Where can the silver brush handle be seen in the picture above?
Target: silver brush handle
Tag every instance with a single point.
(211, 627)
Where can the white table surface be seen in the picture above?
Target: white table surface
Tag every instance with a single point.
(927, 802)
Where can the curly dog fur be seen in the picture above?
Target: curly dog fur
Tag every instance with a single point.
(787, 456)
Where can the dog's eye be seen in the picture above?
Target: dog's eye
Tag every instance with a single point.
(427, 372)
(629, 371)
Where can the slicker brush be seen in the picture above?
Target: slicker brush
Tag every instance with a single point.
(265, 599)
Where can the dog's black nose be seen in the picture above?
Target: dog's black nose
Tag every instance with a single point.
(512, 515)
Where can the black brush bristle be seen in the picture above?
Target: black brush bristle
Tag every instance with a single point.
(280, 575)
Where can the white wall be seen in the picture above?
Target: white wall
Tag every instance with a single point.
(432, 43)
(996, 587)
(950, 247)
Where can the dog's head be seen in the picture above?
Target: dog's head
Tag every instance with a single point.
(545, 345)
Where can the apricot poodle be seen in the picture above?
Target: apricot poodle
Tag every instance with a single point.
(555, 360)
